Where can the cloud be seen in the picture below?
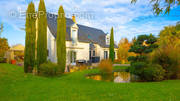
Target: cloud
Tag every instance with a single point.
(127, 19)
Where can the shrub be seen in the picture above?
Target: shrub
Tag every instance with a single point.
(154, 73)
(49, 69)
(2, 60)
(137, 68)
(82, 67)
(105, 66)
(169, 60)
(147, 72)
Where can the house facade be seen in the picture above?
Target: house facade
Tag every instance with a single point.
(82, 42)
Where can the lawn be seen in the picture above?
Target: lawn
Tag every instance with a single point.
(17, 86)
(120, 67)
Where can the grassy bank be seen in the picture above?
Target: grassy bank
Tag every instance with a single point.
(17, 86)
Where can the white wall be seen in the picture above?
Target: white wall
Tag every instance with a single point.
(51, 45)
(81, 49)
(100, 51)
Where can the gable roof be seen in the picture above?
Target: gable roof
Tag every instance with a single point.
(85, 33)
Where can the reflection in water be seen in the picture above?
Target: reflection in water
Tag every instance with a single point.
(122, 77)
(117, 77)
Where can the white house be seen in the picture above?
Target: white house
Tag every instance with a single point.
(82, 42)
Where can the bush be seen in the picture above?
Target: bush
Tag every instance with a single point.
(169, 60)
(2, 60)
(137, 68)
(154, 73)
(147, 72)
(105, 66)
(83, 67)
(49, 69)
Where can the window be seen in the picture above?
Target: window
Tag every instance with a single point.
(72, 56)
(105, 54)
(89, 55)
(94, 53)
(74, 36)
(107, 39)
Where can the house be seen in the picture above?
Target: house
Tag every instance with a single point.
(82, 42)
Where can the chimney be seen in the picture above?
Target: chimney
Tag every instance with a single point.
(74, 18)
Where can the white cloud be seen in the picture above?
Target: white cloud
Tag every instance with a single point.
(108, 13)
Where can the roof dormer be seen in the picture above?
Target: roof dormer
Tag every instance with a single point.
(107, 39)
(74, 31)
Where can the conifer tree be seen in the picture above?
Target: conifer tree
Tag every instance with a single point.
(111, 47)
(42, 34)
(61, 39)
(29, 56)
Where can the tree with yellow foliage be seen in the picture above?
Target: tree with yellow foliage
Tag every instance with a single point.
(123, 54)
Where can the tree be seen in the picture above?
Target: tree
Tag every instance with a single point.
(29, 57)
(167, 55)
(111, 47)
(123, 47)
(61, 38)
(3, 46)
(170, 35)
(142, 46)
(42, 34)
(162, 6)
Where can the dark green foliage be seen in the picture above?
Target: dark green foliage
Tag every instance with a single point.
(147, 72)
(137, 68)
(3, 46)
(139, 64)
(29, 56)
(111, 47)
(137, 58)
(49, 69)
(61, 38)
(143, 45)
(42, 34)
(154, 72)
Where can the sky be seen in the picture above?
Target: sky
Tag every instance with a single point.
(128, 20)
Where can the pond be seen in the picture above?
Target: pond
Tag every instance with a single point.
(116, 77)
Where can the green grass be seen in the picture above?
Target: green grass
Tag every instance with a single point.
(120, 67)
(17, 86)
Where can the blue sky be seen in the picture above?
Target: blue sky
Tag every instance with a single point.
(127, 19)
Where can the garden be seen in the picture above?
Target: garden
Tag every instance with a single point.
(150, 70)
(17, 86)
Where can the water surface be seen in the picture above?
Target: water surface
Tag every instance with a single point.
(117, 77)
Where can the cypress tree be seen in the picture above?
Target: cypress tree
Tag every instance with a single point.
(29, 56)
(61, 39)
(42, 34)
(111, 47)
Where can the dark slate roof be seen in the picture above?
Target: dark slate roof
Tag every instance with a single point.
(85, 33)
